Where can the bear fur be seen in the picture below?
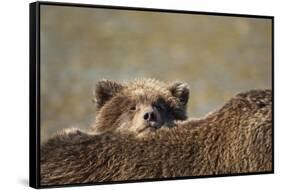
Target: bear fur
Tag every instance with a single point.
(235, 139)
(139, 107)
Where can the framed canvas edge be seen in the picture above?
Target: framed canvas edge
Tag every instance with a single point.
(54, 3)
(34, 90)
(272, 88)
(157, 179)
(34, 95)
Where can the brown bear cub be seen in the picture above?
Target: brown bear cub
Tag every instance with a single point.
(139, 107)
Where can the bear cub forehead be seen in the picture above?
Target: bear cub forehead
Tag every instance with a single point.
(140, 106)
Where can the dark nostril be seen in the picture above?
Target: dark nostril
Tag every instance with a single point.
(150, 116)
(146, 116)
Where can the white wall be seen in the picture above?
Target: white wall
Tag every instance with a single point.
(14, 93)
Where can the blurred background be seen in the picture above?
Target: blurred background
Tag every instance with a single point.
(218, 56)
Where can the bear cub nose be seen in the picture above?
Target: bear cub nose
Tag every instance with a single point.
(149, 116)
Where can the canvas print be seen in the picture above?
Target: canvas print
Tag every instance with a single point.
(130, 94)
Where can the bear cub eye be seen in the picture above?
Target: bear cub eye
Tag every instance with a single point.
(133, 108)
(160, 107)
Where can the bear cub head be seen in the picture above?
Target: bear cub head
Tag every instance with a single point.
(140, 106)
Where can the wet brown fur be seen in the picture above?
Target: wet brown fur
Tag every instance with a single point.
(236, 138)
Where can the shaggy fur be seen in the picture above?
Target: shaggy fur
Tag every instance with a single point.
(237, 138)
(122, 107)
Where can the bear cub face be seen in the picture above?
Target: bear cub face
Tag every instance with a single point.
(140, 106)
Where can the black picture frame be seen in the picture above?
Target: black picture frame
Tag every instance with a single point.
(34, 82)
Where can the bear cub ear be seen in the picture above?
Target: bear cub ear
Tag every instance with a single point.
(105, 90)
(181, 91)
